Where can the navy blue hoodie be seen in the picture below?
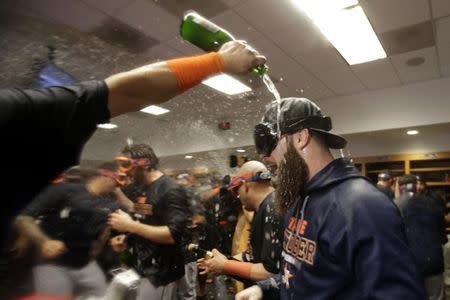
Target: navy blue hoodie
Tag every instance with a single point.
(345, 241)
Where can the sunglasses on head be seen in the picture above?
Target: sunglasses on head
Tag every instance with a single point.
(120, 178)
(237, 181)
(127, 164)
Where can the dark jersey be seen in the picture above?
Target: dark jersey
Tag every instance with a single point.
(69, 213)
(165, 203)
(43, 132)
(266, 237)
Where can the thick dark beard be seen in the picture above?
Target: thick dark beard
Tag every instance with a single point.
(293, 175)
(139, 177)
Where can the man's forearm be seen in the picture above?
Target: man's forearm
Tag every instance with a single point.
(157, 234)
(27, 227)
(246, 270)
(135, 89)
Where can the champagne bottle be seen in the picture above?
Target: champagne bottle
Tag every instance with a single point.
(207, 35)
(199, 251)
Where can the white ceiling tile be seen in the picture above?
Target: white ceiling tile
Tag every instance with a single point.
(231, 3)
(445, 71)
(377, 74)
(269, 16)
(444, 54)
(150, 19)
(440, 8)
(70, 12)
(342, 80)
(183, 46)
(160, 52)
(386, 15)
(108, 6)
(292, 74)
(237, 26)
(443, 30)
(427, 71)
(306, 44)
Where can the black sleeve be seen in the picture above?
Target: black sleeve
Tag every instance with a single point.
(49, 199)
(273, 241)
(58, 108)
(177, 215)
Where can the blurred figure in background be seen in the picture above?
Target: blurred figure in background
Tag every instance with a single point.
(262, 259)
(162, 227)
(423, 189)
(385, 184)
(187, 285)
(425, 231)
(67, 223)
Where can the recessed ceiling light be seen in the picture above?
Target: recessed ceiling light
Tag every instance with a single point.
(240, 150)
(155, 110)
(107, 126)
(345, 25)
(188, 157)
(412, 132)
(226, 84)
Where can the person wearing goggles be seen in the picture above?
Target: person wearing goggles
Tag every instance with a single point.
(71, 232)
(252, 186)
(162, 224)
(343, 238)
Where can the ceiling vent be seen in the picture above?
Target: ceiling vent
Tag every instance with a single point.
(408, 39)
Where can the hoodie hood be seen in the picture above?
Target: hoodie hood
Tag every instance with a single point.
(337, 171)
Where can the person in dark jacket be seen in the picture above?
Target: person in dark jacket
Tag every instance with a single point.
(343, 238)
(425, 230)
(385, 183)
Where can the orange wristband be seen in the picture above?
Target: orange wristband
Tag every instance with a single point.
(190, 71)
(239, 268)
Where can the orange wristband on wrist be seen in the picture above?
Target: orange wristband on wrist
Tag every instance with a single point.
(190, 71)
(239, 268)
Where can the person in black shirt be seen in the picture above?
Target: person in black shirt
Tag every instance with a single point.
(162, 227)
(385, 183)
(56, 122)
(423, 189)
(68, 224)
(425, 231)
(252, 186)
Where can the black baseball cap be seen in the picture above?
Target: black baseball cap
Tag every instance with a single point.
(385, 176)
(299, 113)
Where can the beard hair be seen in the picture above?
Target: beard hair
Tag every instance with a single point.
(293, 175)
(139, 176)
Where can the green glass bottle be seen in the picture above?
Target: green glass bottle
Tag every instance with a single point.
(207, 35)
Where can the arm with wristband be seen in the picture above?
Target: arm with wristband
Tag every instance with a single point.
(234, 266)
(159, 82)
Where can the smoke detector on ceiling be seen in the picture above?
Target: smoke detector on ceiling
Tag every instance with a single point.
(415, 61)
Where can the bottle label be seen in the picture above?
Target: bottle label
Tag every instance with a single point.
(206, 24)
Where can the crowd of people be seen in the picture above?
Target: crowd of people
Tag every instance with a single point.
(314, 228)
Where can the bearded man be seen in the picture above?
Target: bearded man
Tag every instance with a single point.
(343, 238)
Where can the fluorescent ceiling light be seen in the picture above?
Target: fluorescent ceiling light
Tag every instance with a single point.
(188, 157)
(240, 150)
(107, 126)
(412, 132)
(155, 110)
(226, 84)
(345, 25)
